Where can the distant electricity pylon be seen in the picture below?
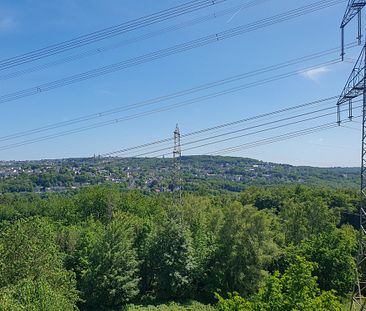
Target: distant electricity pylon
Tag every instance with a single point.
(354, 8)
(356, 86)
(177, 153)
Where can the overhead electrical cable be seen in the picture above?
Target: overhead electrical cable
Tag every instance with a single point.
(224, 125)
(159, 99)
(274, 139)
(162, 109)
(109, 32)
(352, 128)
(289, 109)
(169, 51)
(99, 50)
(277, 138)
(262, 142)
(218, 130)
(247, 134)
(280, 138)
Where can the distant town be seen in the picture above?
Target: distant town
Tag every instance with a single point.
(152, 174)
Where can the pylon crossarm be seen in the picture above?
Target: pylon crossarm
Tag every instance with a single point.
(353, 8)
(355, 83)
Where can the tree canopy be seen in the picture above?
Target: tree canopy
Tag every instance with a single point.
(104, 248)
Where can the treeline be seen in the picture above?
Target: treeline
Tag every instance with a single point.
(281, 248)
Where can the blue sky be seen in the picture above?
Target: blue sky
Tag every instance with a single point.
(28, 25)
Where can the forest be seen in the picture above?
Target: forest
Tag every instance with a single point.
(107, 248)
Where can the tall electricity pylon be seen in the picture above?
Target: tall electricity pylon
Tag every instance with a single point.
(354, 8)
(356, 86)
(177, 153)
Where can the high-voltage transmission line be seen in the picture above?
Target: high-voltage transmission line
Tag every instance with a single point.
(109, 32)
(268, 122)
(270, 115)
(354, 8)
(257, 129)
(277, 139)
(169, 107)
(99, 50)
(176, 49)
(181, 93)
(247, 145)
(356, 86)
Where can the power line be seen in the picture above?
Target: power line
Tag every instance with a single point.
(270, 140)
(222, 126)
(162, 109)
(189, 91)
(289, 109)
(143, 37)
(170, 51)
(278, 138)
(247, 134)
(309, 104)
(108, 32)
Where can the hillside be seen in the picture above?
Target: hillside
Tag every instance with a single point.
(197, 173)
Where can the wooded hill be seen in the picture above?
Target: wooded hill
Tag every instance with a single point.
(198, 173)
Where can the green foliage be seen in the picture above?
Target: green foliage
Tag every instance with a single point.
(21, 184)
(191, 306)
(172, 261)
(302, 220)
(31, 270)
(234, 302)
(114, 247)
(204, 222)
(77, 242)
(111, 279)
(34, 295)
(28, 250)
(98, 202)
(333, 252)
(296, 289)
(246, 246)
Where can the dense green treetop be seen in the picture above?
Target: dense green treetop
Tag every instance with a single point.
(107, 248)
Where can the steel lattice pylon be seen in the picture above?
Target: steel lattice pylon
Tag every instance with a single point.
(177, 153)
(355, 87)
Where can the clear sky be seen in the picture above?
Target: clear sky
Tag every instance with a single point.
(26, 25)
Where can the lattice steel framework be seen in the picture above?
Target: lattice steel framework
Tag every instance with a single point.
(355, 87)
(354, 8)
(177, 153)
